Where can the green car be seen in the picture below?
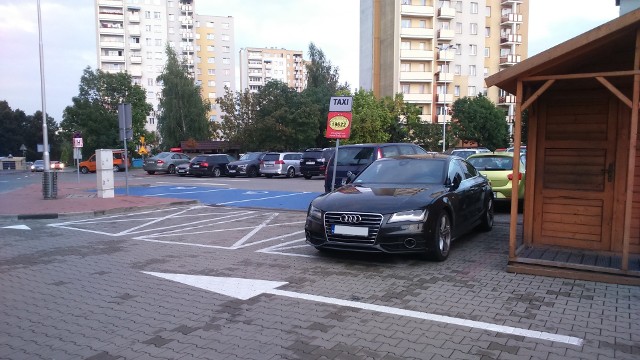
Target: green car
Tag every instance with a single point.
(498, 168)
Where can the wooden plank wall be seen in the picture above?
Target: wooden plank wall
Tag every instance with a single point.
(634, 241)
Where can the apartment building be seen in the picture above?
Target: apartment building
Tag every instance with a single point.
(436, 51)
(215, 61)
(132, 36)
(258, 66)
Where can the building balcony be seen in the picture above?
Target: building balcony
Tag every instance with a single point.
(510, 59)
(134, 30)
(254, 55)
(418, 98)
(446, 34)
(507, 100)
(446, 55)
(511, 2)
(445, 77)
(136, 59)
(444, 98)
(111, 31)
(416, 33)
(186, 8)
(446, 13)
(112, 3)
(111, 45)
(110, 16)
(510, 119)
(425, 55)
(134, 18)
(416, 76)
(135, 72)
(112, 59)
(112, 70)
(425, 119)
(510, 39)
(509, 19)
(187, 35)
(255, 82)
(444, 119)
(187, 22)
(134, 46)
(417, 10)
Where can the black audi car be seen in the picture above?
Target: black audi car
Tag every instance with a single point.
(403, 204)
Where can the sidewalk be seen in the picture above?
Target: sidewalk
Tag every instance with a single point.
(73, 200)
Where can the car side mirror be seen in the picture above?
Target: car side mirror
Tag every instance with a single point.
(350, 177)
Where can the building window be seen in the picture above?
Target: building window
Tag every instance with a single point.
(211, 83)
(487, 52)
(157, 28)
(151, 95)
(227, 84)
(457, 69)
(226, 38)
(211, 60)
(211, 48)
(472, 91)
(209, 24)
(170, 3)
(473, 29)
(159, 55)
(152, 120)
(150, 81)
(405, 88)
(405, 23)
(487, 32)
(227, 72)
(156, 14)
(212, 95)
(405, 45)
(458, 28)
(472, 70)
(487, 11)
(211, 71)
(474, 7)
(473, 49)
(226, 49)
(147, 28)
(456, 90)
(406, 2)
(147, 14)
(405, 67)
(210, 36)
(485, 72)
(225, 25)
(458, 49)
(226, 61)
(149, 55)
(458, 6)
(148, 41)
(158, 42)
(172, 17)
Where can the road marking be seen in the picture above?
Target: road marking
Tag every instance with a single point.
(17, 227)
(245, 289)
(265, 198)
(254, 192)
(190, 192)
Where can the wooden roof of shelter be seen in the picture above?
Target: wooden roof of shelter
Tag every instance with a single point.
(606, 48)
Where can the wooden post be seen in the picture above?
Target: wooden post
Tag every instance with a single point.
(517, 138)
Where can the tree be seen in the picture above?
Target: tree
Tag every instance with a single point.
(183, 112)
(239, 114)
(370, 119)
(17, 129)
(478, 119)
(95, 110)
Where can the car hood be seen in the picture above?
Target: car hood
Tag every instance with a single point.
(384, 199)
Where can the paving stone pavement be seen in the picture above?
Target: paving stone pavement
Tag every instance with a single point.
(68, 294)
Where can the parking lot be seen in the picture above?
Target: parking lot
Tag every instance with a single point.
(238, 281)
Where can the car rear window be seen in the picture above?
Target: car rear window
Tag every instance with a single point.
(271, 157)
(491, 162)
(355, 155)
(199, 158)
(312, 155)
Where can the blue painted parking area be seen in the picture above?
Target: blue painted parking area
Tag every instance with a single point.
(269, 199)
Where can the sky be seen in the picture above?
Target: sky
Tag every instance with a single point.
(69, 39)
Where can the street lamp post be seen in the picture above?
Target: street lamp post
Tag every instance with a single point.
(444, 110)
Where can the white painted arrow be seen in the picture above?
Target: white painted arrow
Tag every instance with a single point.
(245, 289)
(17, 227)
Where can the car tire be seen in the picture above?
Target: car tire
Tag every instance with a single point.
(307, 177)
(486, 224)
(216, 172)
(252, 172)
(151, 172)
(84, 170)
(172, 169)
(441, 243)
(116, 168)
(291, 172)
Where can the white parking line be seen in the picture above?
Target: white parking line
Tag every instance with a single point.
(188, 192)
(264, 198)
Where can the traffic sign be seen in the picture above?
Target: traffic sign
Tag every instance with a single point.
(338, 125)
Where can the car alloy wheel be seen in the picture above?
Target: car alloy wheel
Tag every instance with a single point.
(116, 168)
(83, 170)
(487, 217)
(172, 169)
(215, 172)
(442, 237)
(252, 172)
(291, 172)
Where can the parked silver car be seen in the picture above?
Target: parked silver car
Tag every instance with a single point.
(164, 162)
(280, 163)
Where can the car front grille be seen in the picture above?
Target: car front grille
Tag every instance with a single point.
(370, 221)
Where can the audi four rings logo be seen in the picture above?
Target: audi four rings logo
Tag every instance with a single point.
(348, 218)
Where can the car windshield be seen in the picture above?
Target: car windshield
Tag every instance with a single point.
(355, 156)
(39, 162)
(495, 163)
(403, 171)
(250, 156)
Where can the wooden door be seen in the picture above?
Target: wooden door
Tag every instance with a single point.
(574, 186)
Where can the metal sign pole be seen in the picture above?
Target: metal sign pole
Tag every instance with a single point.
(335, 165)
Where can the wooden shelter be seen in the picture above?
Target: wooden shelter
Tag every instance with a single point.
(581, 215)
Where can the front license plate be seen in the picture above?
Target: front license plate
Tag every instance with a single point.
(311, 162)
(350, 230)
(196, 166)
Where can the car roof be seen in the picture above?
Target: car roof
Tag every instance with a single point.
(485, 154)
(432, 155)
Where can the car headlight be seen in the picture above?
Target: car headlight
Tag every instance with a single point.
(412, 215)
(242, 166)
(314, 212)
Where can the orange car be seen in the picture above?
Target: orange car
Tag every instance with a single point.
(89, 165)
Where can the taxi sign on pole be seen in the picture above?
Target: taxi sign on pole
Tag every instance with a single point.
(338, 125)
(341, 103)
